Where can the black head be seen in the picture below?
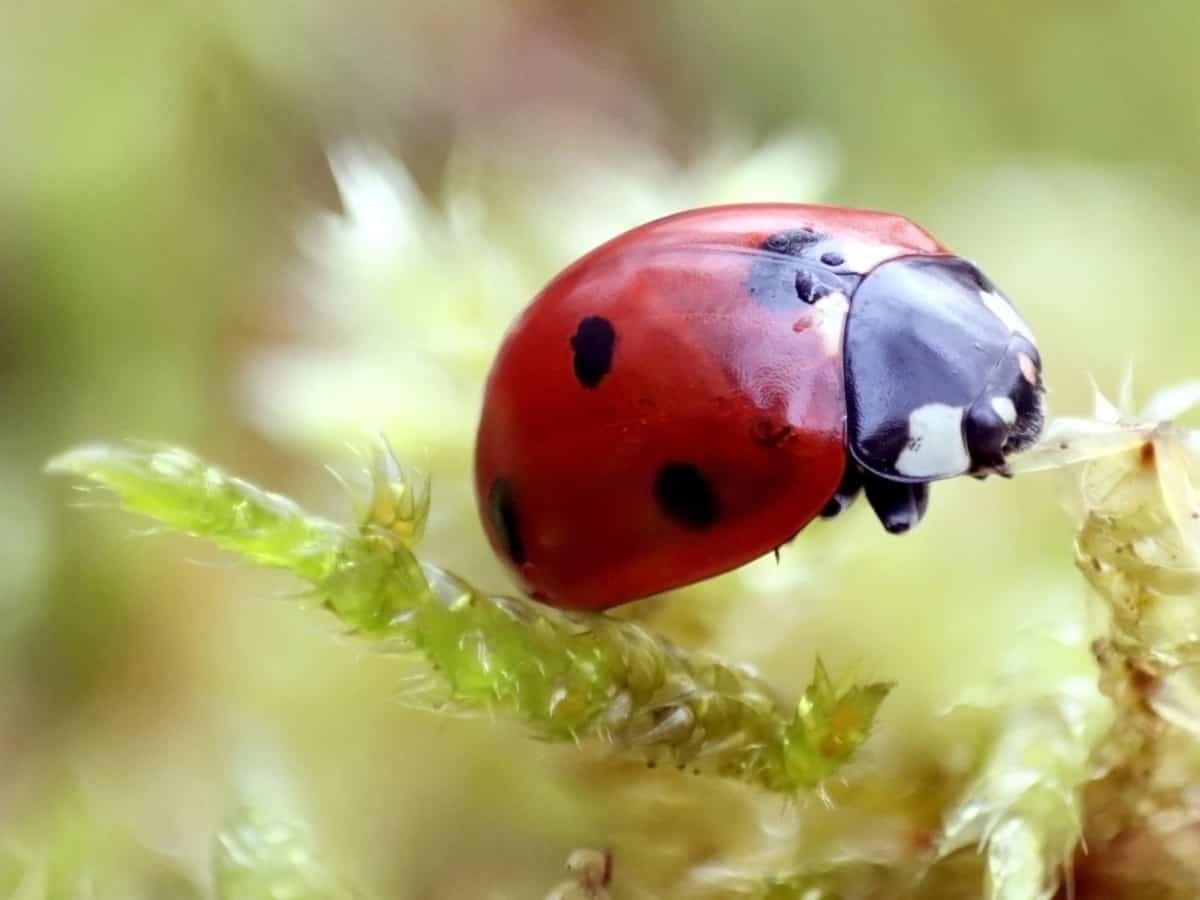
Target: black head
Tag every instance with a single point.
(943, 377)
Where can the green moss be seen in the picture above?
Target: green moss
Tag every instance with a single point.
(568, 675)
(1074, 761)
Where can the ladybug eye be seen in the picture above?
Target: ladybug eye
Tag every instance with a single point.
(778, 242)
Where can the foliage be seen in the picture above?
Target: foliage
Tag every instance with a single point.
(576, 676)
(569, 675)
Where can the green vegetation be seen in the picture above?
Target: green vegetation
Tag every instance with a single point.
(267, 231)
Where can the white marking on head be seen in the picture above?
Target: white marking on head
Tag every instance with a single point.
(1029, 368)
(935, 443)
(832, 310)
(1003, 310)
(1005, 409)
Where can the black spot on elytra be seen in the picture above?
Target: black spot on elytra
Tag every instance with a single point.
(791, 243)
(592, 345)
(684, 494)
(502, 509)
(807, 289)
(787, 270)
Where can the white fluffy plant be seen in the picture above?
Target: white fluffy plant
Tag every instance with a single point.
(408, 296)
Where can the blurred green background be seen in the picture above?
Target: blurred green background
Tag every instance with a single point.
(265, 230)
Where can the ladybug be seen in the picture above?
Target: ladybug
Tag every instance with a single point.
(690, 395)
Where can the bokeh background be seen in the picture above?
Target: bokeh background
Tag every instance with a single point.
(269, 230)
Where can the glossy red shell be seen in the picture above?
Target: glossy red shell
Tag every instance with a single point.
(701, 374)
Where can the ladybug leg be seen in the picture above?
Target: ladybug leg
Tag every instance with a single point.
(898, 505)
(850, 487)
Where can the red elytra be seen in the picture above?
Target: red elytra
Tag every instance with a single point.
(653, 418)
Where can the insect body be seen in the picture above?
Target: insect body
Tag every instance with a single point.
(690, 395)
